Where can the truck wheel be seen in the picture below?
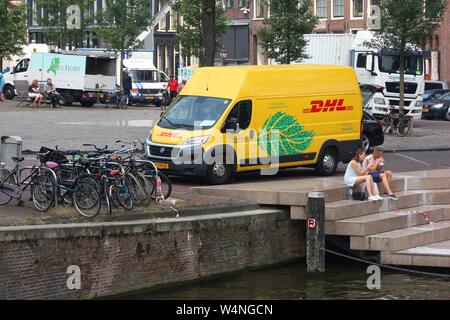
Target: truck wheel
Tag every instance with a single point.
(87, 103)
(327, 162)
(65, 100)
(219, 172)
(8, 91)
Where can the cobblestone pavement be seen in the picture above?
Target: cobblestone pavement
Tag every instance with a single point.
(70, 127)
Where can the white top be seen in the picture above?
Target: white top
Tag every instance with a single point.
(350, 174)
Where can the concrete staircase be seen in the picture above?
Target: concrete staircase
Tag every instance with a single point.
(413, 230)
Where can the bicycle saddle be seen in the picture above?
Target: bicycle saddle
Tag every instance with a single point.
(18, 159)
(51, 165)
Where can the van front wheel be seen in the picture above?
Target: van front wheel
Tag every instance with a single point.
(327, 162)
(219, 173)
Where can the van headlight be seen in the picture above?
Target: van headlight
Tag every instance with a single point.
(197, 140)
(438, 106)
(419, 104)
(379, 101)
(150, 136)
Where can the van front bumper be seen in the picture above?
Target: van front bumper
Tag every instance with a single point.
(177, 159)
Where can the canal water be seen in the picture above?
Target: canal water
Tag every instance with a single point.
(343, 279)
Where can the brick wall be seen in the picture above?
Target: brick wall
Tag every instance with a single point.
(120, 257)
(444, 46)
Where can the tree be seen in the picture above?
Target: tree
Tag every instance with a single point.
(13, 28)
(204, 23)
(55, 21)
(404, 26)
(283, 34)
(120, 24)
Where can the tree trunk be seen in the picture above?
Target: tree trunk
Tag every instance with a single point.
(402, 82)
(121, 57)
(208, 33)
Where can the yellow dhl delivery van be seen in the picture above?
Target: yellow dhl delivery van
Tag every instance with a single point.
(229, 120)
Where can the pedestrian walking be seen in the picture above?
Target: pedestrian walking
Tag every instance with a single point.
(51, 93)
(181, 86)
(34, 93)
(127, 86)
(2, 86)
(172, 85)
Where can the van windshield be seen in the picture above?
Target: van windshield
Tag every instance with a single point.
(193, 112)
(144, 75)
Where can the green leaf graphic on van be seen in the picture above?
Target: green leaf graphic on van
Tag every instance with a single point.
(281, 134)
(54, 66)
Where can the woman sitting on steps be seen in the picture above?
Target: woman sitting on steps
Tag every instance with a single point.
(355, 175)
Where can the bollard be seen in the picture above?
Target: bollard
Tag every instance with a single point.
(315, 232)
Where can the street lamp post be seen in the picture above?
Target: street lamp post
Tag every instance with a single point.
(223, 56)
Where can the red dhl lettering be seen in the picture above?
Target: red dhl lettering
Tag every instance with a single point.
(168, 135)
(329, 105)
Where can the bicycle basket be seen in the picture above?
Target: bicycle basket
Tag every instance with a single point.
(52, 155)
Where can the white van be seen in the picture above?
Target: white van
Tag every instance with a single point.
(148, 82)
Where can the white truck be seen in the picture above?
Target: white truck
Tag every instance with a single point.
(149, 83)
(78, 76)
(377, 67)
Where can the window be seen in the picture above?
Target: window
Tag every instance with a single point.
(321, 8)
(242, 3)
(22, 66)
(338, 8)
(361, 61)
(357, 8)
(259, 8)
(229, 4)
(242, 111)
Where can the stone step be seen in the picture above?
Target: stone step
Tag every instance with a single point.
(432, 255)
(344, 209)
(403, 238)
(388, 221)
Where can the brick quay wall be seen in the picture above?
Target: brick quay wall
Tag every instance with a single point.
(82, 261)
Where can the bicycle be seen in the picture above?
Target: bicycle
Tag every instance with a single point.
(39, 180)
(117, 99)
(402, 124)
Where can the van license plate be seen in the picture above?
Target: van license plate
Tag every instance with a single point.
(161, 165)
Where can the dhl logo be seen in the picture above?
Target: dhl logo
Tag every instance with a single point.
(329, 105)
(168, 135)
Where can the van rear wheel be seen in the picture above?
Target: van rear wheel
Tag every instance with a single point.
(219, 172)
(327, 162)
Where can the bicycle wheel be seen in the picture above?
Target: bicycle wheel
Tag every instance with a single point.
(403, 126)
(166, 185)
(43, 192)
(6, 180)
(106, 195)
(147, 188)
(136, 189)
(386, 123)
(121, 193)
(86, 198)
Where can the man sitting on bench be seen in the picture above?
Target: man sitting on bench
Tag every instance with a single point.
(51, 93)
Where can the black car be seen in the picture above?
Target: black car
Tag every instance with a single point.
(372, 132)
(434, 94)
(439, 108)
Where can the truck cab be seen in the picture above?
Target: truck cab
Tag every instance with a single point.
(380, 67)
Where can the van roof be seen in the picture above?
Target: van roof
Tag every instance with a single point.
(265, 81)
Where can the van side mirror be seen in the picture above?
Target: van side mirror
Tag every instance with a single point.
(369, 62)
(231, 124)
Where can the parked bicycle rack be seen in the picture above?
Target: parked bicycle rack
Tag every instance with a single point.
(10, 146)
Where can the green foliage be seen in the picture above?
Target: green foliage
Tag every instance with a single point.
(282, 36)
(406, 23)
(13, 28)
(55, 21)
(281, 134)
(120, 24)
(189, 35)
